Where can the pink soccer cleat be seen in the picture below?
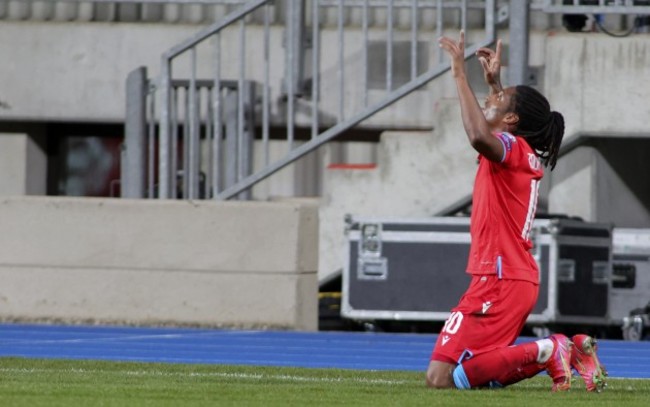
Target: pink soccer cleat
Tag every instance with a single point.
(558, 365)
(585, 361)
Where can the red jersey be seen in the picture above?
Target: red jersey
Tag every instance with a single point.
(503, 210)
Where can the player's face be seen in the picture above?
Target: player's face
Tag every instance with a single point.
(497, 105)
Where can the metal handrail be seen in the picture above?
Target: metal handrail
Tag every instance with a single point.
(343, 126)
(165, 168)
(295, 34)
(163, 128)
(240, 176)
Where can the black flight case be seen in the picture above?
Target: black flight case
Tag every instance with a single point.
(414, 269)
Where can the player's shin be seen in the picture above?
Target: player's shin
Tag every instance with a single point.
(499, 367)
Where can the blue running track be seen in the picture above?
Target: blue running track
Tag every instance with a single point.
(345, 350)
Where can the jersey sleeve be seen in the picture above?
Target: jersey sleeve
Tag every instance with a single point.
(518, 154)
(510, 147)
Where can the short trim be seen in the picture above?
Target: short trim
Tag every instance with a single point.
(467, 354)
(460, 378)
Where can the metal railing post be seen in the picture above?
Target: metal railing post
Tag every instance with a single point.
(230, 118)
(242, 139)
(135, 137)
(248, 134)
(217, 159)
(194, 143)
(518, 53)
(164, 139)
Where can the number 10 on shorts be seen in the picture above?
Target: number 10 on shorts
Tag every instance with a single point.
(453, 323)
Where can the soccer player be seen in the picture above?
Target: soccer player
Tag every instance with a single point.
(516, 134)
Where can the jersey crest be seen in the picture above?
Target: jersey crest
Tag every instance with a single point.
(534, 162)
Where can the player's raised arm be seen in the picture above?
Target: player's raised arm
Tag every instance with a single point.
(474, 121)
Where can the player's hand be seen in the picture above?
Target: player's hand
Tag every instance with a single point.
(456, 51)
(491, 63)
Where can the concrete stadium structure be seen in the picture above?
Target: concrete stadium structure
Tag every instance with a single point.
(249, 264)
(68, 63)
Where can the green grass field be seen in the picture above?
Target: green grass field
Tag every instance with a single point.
(29, 382)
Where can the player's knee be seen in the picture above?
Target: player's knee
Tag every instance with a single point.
(437, 379)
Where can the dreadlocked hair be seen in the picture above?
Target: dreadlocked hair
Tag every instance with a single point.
(542, 128)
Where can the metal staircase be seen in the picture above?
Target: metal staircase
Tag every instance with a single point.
(195, 138)
(221, 95)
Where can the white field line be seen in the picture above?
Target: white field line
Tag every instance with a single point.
(248, 376)
(132, 337)
(105, 339)
(253, 376)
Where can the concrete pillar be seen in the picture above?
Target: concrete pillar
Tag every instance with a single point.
(23, 166)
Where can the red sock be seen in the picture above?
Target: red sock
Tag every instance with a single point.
(505, 366)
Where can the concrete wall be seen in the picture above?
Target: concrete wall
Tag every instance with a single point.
(573, 189)
(602, 182)
(151, 262)
(23, 166)
(601, 84)
(417, 174)
(622, 187)
(59, 72)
